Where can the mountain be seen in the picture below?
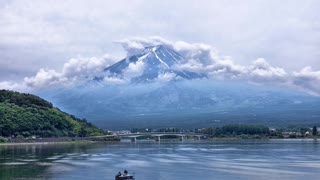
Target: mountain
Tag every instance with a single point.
(188, 100)
(26, 114)
(188, 104)
(156, 61)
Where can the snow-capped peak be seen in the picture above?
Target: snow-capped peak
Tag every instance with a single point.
(157, 60)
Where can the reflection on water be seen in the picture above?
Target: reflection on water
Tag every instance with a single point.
(263, 159)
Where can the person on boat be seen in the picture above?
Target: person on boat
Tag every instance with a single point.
(119, 174)
(125, 172)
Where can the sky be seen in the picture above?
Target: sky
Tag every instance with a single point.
(46, 41)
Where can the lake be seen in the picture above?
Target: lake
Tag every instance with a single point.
(187, 160)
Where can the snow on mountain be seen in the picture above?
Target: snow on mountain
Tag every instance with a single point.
(163, 96)
(157, 63)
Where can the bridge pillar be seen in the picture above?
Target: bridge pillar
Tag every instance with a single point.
(133, 139)
(158, 138)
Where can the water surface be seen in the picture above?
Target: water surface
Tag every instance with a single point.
(188, 160)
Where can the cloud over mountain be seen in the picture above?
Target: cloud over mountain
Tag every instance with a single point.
(261, 70)
(74, 72)
(198, 58)
(308, 80)
(45, 34)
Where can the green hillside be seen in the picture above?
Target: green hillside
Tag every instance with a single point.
(25, 115)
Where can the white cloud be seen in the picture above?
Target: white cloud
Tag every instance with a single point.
(245, 30)
(203, 58)
(166, 77)
(44, 78)
(307, 74)
(226, 69)
(75, 71)
(86, 67)
(261, 70)
(307, 80)
(190, 65)
(199, 52)
(199, 58)
(134, 70)
(12, 86)
(113, 80)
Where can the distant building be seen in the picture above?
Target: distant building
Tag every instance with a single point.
(121, 132)
(307, 133)
(272, 130)
(298, 134)
(291, 134)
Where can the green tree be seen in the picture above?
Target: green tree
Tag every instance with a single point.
(26, 115)
(314, 131)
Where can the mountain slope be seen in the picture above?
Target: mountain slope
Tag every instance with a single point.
(156, 61)
(25, 114)
(189, 103)
(182, 99)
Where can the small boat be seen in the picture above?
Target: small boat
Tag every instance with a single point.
(125, 176)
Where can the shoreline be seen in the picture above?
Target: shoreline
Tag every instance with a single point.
(53, 143)
(164, 140)
(59, 140)
(42, 143)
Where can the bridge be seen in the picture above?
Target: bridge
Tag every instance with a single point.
(158, 135)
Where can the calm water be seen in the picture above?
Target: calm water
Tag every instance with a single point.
(264, 159)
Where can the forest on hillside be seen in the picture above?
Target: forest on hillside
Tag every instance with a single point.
(29, 115)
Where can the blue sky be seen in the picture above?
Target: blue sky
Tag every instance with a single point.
(47, 35)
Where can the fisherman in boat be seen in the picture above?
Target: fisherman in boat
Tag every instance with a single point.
(124, 176)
